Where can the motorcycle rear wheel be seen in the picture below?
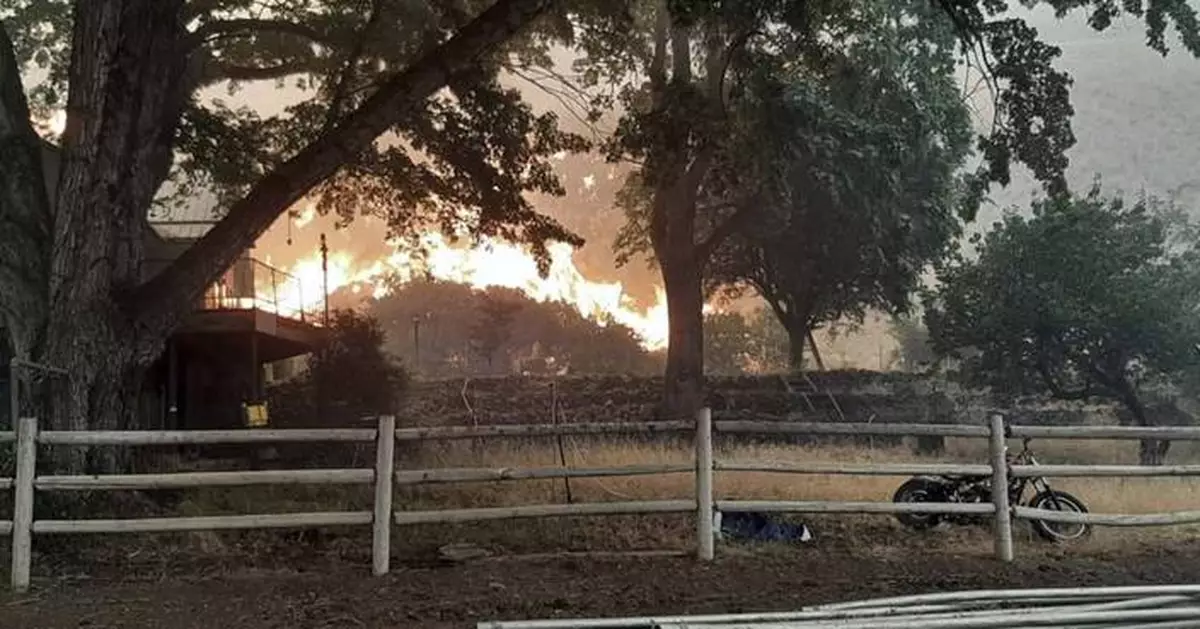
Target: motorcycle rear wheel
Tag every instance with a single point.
(919, 490)
(1054, 500)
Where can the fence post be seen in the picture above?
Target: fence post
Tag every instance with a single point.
(385, 453)
(704, 485)
(22, 533)
(998, 441)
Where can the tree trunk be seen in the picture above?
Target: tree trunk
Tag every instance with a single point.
(1153, 451)
(797, 338)
(684, 383)
(126, 100)
(1150, 451)
(25, 219)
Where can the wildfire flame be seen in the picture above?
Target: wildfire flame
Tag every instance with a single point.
(491, 263)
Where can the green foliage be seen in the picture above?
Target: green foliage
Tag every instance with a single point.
(1090, 296)
(879, 131)
(352, 373)
(736, 344)
(1031, 98)
(727, 340)
(461, 164)
(915, 351)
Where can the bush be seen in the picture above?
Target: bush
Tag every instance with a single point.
(349, 377)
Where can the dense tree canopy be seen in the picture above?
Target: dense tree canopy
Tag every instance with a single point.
(914, 351)
(689, 73)
(396, 109)
(1088, 297)
(737, 344)
(352, 371)
(876, 196)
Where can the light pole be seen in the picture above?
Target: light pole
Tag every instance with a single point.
(416, 321)
(325, 277)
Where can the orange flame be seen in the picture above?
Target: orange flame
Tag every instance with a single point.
(492, 263)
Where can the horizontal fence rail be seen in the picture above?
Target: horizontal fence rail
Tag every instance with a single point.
(204, 437)
(829, 506)
(703, 504)
(535, 430)
(206, 523)
(1171, 433)
(466, 475)
(1108, 519)
(205, 479)
(805, 428)
(1101, 471)
(865, 469)
(543, 511)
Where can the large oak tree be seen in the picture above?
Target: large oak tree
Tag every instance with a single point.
(885, 133)
(399, 111)
(687, 74)
(1087, 298)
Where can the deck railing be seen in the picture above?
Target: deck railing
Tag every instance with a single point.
(251, 284)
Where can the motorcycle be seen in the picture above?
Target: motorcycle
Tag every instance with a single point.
(978, 489)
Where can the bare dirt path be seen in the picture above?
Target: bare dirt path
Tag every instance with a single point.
(460, 595)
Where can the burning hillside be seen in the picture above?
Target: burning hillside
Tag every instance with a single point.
(489, 264)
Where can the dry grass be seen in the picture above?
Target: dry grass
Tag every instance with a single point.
(1102, 495)
(852, 534)
(1124, 495)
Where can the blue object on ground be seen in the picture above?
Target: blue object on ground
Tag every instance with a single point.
(761, 527)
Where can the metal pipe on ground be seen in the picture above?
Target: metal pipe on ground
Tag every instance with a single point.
(1151, 607)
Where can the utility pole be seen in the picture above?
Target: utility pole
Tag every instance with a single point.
(325, 277)
(416, 320)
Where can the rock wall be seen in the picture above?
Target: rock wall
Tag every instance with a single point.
(851, 396)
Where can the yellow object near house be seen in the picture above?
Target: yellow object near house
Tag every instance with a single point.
(256, 414)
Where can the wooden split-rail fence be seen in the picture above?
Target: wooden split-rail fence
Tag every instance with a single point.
(24, 527)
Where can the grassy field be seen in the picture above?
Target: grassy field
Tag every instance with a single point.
(1103, 495)
(851, 535)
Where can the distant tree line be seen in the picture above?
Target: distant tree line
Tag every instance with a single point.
(445, 329)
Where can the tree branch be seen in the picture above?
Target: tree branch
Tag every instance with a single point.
(658, 64)
(681, 52)
(1056, 388)
(166, 298)
(222, 29)
(720, 56)
(1047, 374)
(693, 174)
(215, 72)
(341, 90)
(25, 214)
(724, 230)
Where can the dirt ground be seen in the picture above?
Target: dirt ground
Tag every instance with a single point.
(324, 595)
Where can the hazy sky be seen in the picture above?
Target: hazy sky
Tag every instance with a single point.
(1137, 114)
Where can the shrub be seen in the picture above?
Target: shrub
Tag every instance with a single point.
(349, 377)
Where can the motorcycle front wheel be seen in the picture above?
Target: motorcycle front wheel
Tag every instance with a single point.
(1054, 500)
(919, 490)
